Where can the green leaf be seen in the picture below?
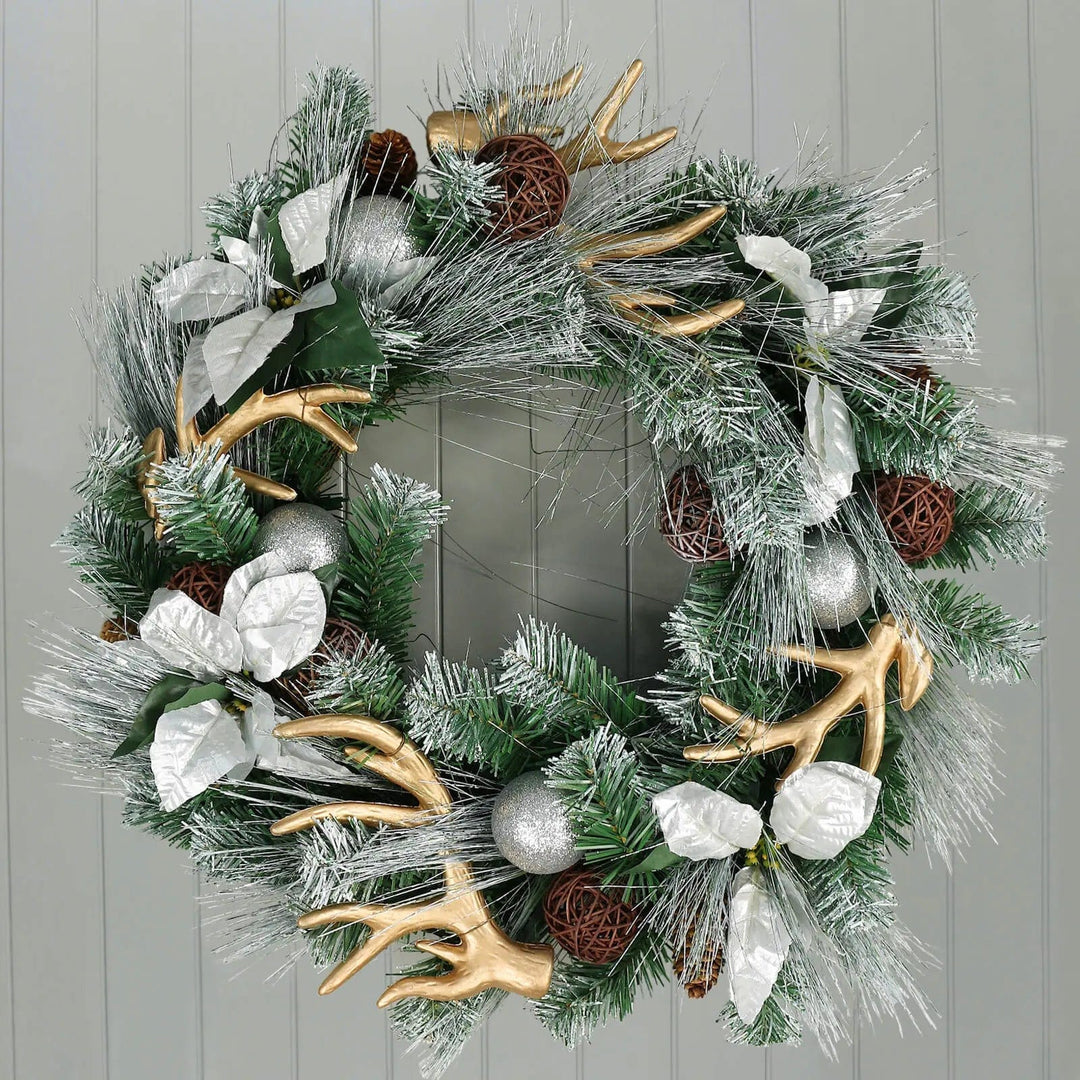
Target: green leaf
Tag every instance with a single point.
(206, 692)
(279, 253)
(336, 337)
(167, 690)
(660, 858)
(847, 746)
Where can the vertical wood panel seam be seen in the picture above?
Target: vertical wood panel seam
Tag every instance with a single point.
(950, 887)
(189, 228)
(103, 953)
(3, 529)
(1043, 585)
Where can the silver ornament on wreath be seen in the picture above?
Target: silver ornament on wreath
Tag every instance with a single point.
(376, 246)
(532, 828)
(306, 536)
(839, 582)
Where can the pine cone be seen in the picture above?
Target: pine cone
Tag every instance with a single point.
(703, 979)
(387, 164)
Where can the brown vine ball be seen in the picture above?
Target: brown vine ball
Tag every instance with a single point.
(114, 630)
(588, 921)
(534, 183)
(918, 514)
(204, 582)
(340, 638)
(688, 520)
(387, 164)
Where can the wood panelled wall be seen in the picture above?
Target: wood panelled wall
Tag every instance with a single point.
(119, 118)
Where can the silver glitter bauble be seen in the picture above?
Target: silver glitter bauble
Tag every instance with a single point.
(306, 537)
(531, 826)
(375, 244)
(840, 585)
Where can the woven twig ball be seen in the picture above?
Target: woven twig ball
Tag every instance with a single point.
(705, 974)
(204, 582)
(340, 638)
(589, 922)
(688, 520)
(387, 164)
(918, 514)
(534, 182)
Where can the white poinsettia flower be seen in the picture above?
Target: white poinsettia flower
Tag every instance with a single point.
(202, 289)
(279, 615)
(822, 807)
(700, 823)
(305, 223)
(195, 747)
(784, 263)
(284, 756)
(830, 460)
(757, 943)
(219, 362)
(271, 620)
(187, 636)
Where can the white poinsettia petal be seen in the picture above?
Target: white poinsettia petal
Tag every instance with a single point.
(285, 757)
(788, 265)
(193, 748)
(843, 316)
(822, 807)
(319, 295)
(236, 348)
(831, 460)
(202, 289)
(198, 390)
(403, 276)
(305, 223)
(244, 577)
(240, 253)
(700, 823)
(281, 623)
(757, 943)
(260, 226)
(188, 636)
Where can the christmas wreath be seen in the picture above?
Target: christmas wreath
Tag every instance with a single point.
(537, 826)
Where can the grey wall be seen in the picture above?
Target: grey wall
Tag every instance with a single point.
(120, 117)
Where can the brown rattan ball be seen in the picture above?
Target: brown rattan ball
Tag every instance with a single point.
(387, 164)
(340, 638)
(204, 582)
(688, 520)
(589, 922)
(918, 514)
(115, 630)
(535, 186)
(699, 981)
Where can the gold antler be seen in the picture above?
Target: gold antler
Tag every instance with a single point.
(461, 129)
(862, 682)
(484, 956)
(613, 246)
(592, 146)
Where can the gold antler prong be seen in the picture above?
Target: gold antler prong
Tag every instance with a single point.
(484, 957)
(689, 324)
(609, 247)
(593, 146)
(862, 674)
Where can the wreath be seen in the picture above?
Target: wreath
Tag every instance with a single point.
(537, 826)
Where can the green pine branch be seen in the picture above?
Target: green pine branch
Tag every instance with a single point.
(204, 507)
(115, 558)
(991, 522)
(111, 479)
(391, 519)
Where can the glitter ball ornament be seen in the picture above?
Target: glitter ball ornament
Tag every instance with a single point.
(591, 923)
(918, 514)
(531, 826)
(387, 164)
(534, 182)
(688, 521)
(306, 536)
(204, 582)
(375, 245)
(839, 582)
